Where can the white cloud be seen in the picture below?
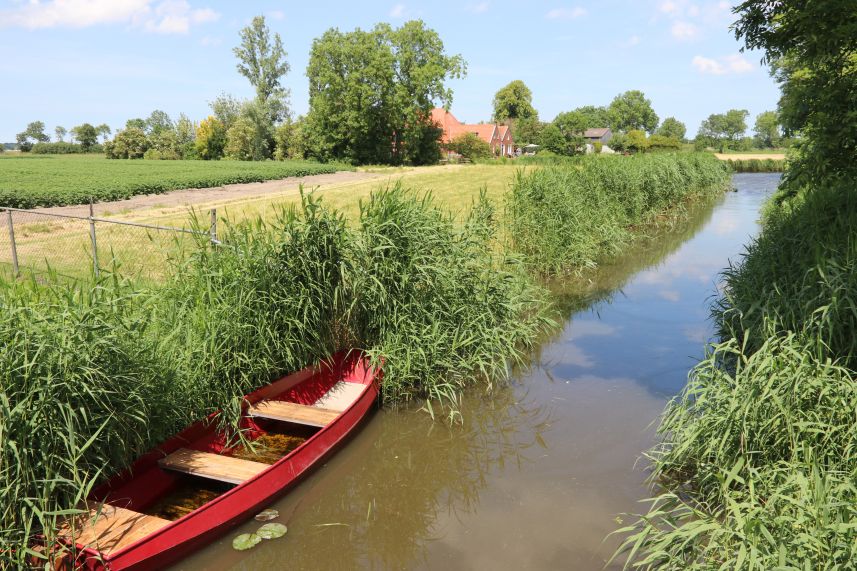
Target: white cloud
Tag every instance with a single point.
(276, 14)
(722, 66)
(565, 13)
(478, 7)
(668, 7)
(164, 17)
(398, 11)
(684, 30)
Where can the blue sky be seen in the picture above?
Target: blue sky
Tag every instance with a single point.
(103, 61)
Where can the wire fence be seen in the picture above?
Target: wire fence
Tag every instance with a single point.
(80, 246)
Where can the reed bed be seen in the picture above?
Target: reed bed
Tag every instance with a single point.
(758, 464)
(563, 219)
(757, 165)
(93, 375)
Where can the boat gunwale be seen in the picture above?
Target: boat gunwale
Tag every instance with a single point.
(251, 398)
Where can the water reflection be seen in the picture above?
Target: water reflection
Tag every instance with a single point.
(536, 476)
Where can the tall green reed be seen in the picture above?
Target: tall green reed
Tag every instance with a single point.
(564, 218)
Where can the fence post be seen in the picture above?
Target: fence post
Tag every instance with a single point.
(213, 227)
(15, 269)
(92, 237)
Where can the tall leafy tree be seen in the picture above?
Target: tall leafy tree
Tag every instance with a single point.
(158, 122)
(60, 132)
(136, 123)
(514, 102)
(262, 60)
(371, 94)
(631, 110)
(673, 128)
(35, 131)
(812, 47)
(767, 129)
(104, 130)
(86, 135)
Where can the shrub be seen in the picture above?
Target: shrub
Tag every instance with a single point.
(64, 148)
(239, 140)
(470, 146)
(129, 143)
(597, 146)
(210, 139)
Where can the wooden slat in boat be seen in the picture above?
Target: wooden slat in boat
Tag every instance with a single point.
(293, 412)
(340, 396)
(213, 466)
(111, 530)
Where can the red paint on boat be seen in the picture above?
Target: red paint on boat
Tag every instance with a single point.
(144, 482)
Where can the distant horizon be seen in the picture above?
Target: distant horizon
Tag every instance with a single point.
(102, 61)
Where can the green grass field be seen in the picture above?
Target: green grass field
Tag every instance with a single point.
(30, 181)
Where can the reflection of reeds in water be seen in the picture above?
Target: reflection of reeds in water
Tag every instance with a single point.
(268, 448)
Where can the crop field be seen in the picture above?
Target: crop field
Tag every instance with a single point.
(48, 180)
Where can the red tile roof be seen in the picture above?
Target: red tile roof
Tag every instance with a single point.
(452, 127)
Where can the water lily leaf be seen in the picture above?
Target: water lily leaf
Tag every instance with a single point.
(272, 531)
(245, 541)
(267, 515)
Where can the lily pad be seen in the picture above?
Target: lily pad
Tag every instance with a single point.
(272, 531)
(267, 515)
(245, 541)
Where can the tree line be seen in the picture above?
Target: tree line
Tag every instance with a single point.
(371, 93)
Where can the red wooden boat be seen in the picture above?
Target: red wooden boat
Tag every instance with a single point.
(127, 528)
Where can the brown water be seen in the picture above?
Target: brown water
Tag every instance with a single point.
(538, 474)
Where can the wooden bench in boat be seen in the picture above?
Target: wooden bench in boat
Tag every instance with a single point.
(320, 414)
(213, 466)
(109, 528)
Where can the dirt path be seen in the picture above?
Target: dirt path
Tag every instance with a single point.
(183, 199)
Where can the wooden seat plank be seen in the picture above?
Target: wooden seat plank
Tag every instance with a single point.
(213, 466)
(340, 396)
(293, 412)
(109, 528)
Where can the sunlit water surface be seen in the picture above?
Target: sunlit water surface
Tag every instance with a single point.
(538, 474)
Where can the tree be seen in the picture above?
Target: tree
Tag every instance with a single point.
(470, 146)
(136, 124)
(86, 135)
(60, 132)
(104, 130)
(735, 124)
(767, 130)
(263, 62)
(514, 102)
(226, 109)
(158, 122)
(130, 143)
(672, 128)
(186, 136)
(371, 94)
(811, 47)
(239, 140)
(34, 131)
(210, 139)
(579, 120)
(527, 131)
(631, 110)
(636, 141)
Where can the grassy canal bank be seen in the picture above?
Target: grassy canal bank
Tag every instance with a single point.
(92, 373)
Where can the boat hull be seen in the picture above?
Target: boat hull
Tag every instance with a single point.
(187, 534)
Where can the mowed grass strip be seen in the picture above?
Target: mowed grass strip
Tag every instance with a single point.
(35, 181)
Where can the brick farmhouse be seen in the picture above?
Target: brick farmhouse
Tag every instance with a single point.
(498, 137)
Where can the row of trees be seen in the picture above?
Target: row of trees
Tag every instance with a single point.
(85, 136)
(727, 131)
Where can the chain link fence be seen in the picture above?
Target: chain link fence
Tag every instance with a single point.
(82, 245)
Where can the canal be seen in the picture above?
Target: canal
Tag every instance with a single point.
(540, 473)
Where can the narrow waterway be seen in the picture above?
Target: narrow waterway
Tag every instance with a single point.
(539, 474)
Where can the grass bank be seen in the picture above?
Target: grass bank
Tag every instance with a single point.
(565, 218)
(32, 181)
(758, 467)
